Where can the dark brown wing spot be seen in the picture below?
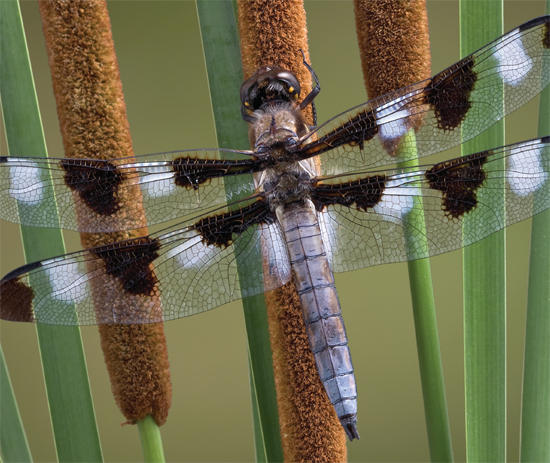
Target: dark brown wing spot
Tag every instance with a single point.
(130, 262)
(355, 132)
(192, 172)
(364, 193)
(536, 22)
(16, 300)
(449, 93)
(459, 180)
(218, 230)
(96, 182)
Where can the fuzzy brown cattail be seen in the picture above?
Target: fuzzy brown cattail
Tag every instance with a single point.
(272, 33)
(395, 52)
(93, 120)
(394, 43)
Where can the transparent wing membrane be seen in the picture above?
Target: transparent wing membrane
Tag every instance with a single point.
(235, 247)
(171, 185)
(454, 106)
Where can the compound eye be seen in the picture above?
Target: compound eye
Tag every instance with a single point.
(291, 142)
(291, 82)
(262, 149)
(245, 91)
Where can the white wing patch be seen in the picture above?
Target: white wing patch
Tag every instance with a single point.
(397, 201)
(393, 126)
(67, 282)
(513, 62)
(25, 183)
(391, 120)
(159, 181)
(158, 185)
(191, 254)
(275, 254)
(329, 240)
(526, 174)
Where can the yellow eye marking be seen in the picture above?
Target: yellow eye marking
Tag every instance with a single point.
(246, 103)
(290, 89)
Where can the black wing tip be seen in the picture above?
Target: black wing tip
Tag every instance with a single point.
(350, 426)
(21, 270)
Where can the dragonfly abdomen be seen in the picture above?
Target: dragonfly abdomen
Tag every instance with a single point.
(321, 309)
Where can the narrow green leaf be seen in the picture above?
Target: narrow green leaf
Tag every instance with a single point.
(69, 397)
(223, 63)
(425, 322)
(484, 279)
(535, 417)
(13, 441)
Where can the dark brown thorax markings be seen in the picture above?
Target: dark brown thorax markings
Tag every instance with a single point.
(448, 93)
(130, 262)
(96, 182)
(192, 172)
(364, 193)
(459, 180)
(217, 230)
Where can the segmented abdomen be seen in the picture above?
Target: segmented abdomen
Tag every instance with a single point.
(321, 309)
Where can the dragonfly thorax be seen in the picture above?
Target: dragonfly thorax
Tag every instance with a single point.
(285, 183)
(275, 127)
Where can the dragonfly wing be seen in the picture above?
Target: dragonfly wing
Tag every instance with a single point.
(172, 185)
(181, 271)
(453, 106)
(368, 219)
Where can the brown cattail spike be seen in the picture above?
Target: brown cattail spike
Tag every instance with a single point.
(394, 43)
(272, 33)
(92, 115)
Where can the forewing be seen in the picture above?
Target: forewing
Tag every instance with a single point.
(368, 219)
(172, 274)
(172, 185)
(451, 107)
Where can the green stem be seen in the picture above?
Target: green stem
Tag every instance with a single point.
(151, 442)
(427, 338)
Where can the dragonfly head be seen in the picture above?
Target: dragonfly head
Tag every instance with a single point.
(268, 86)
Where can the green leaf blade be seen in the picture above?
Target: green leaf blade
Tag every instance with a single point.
(222, 55)
(13, 441)
(73, 417)
(535, 416)
(484, 280)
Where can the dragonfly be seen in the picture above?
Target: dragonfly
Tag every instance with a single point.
(323, 199)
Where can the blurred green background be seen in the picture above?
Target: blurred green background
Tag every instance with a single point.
(161, 63)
